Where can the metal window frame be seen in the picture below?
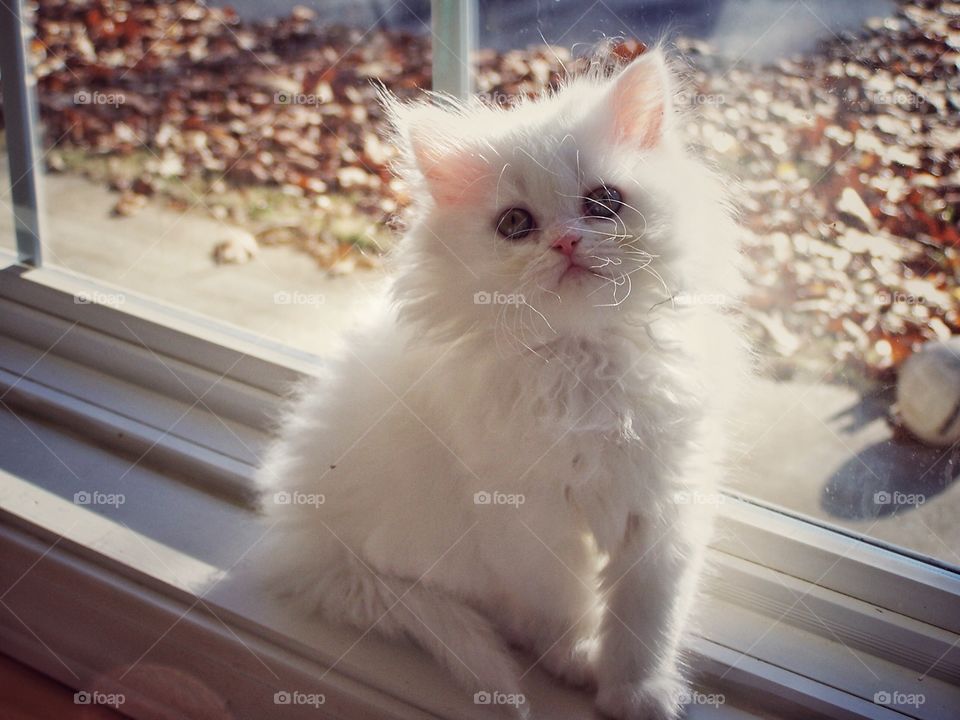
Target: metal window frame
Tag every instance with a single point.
(20, 115)
(454, 28)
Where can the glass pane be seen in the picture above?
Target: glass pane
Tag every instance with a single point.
(225, 157)
(841, 122)
(227, 160)
(7, 238)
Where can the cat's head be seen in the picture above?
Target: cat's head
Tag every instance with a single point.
(566, 215)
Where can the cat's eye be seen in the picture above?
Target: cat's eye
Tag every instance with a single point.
(516, 224)
(602, 202)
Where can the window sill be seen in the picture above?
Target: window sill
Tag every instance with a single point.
(95, 592)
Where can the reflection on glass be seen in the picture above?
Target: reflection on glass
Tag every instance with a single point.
(226, 159)
(7, 238)
(840, 124)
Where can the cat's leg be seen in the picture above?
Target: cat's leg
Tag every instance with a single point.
(568, 651)
(556, 617)
(459, 637)
(564, 641)
(555, 636)
(648, 586)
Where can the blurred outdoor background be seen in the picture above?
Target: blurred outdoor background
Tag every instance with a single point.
(229, 159)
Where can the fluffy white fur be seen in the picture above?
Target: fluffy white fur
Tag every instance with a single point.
(597, 398)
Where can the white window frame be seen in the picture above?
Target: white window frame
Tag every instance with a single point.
(118, 378)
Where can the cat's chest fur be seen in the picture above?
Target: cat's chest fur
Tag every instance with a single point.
(578, 414)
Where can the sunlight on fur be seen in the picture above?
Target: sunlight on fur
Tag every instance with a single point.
(511, 464)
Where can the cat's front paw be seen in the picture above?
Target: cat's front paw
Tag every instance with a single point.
(573, 664)
(656, 698)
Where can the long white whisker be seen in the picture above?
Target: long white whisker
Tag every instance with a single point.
(542, 316)
(615, 218)
(617, 282)
(557, 295)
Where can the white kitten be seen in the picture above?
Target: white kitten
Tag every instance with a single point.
(524, 449)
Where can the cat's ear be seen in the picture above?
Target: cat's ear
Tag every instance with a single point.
(638, 102)
(452, 174)
(432, 140)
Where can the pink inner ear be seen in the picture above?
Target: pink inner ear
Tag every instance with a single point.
(453, 176)
(639, 100)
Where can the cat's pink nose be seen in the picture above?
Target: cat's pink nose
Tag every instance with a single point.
(566, 243)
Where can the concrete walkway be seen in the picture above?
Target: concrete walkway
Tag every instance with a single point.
(167, 255)
(826, 452)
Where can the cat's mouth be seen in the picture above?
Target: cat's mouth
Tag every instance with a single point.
(575, 271)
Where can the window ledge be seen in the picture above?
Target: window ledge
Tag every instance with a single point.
(98, 590)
